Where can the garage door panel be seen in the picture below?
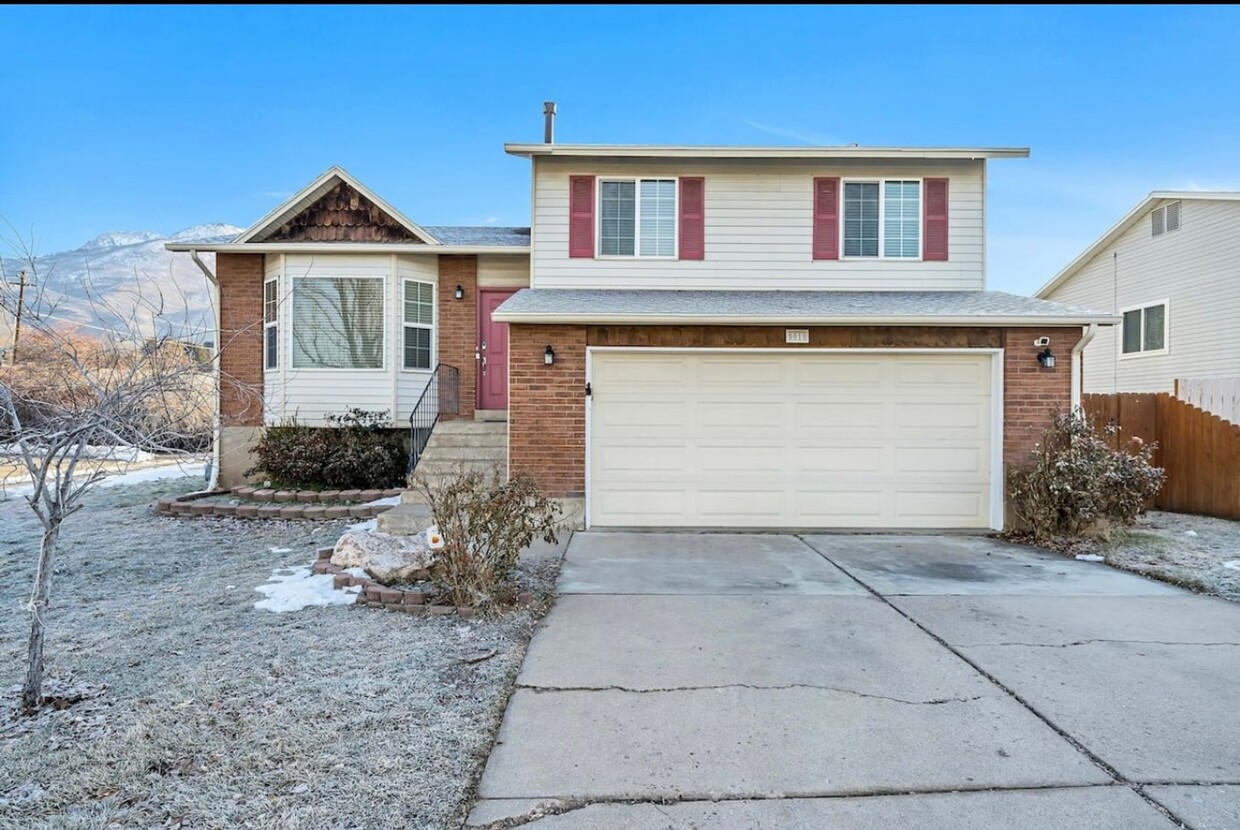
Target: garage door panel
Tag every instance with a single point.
(700, 439)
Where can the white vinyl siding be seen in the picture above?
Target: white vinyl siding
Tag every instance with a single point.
(337, 323)
(727, 438)
(1197, 269)
(637, 218)
(419, 320)
(758, 228)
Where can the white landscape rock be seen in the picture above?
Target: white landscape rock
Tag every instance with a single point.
(386, 557)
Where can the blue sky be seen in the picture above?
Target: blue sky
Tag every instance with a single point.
(135, 118)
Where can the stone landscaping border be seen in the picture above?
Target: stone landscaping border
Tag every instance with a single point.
(267, 494)
(191, 505)
(375, 595)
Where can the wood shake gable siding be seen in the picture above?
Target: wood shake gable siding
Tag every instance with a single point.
(1196, 268)
(758, 227)
(341, 215)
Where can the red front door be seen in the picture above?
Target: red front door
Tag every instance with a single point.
(492, 351)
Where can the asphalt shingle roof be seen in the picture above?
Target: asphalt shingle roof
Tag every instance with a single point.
(480, 235)
(583, 304)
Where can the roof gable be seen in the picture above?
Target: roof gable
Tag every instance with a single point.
(1121, 227)
(336, 207)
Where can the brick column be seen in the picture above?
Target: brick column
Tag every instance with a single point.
(241, 338)
(547, 407)
(1032, 394)
(458, 324)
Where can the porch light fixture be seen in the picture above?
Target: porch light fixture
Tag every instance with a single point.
(460, 293)
(549, 356)
(1046, 358)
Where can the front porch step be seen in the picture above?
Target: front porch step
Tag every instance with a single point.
(469, 452)
(490, 414)
(405, 519)
(437, 467)
(464, 440)
(461, 425)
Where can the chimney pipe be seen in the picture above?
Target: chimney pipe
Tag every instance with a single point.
(549, 129)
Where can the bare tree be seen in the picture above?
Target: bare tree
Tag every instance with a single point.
(87, 400)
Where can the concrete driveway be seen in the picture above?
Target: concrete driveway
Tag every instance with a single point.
(778, 681)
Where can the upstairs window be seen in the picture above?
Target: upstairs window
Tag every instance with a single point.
(1145, 330)
(637, 217)
(271, 328)
(882, 219)
(1165, 219)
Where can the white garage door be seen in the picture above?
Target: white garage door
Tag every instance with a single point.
(777, 439)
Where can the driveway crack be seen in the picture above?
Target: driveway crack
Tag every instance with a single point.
(1097, 640)
(663, 690)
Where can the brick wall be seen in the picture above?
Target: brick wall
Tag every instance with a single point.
(546, 431)
(1031, 394)
(241, 338)
(547, 407)
(458, 323)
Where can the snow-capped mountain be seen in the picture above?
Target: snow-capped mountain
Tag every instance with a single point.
(103, 282)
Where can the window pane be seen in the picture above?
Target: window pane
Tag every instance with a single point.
(337, 323)
(901, 219)
(1132, 331)
(419, 303)
(658, 217)
(861, 219)
(617, 218)
(273, 342)
(417, 348)
(1155, 328)
(270, 301)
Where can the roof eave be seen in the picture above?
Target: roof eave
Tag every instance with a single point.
(612, 318)
(675, 151)
(341, 248)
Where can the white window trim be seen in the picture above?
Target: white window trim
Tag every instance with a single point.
(434, 326)
(882, 207)
(288, 343)
(637, 217)
(1166, 304)
(268, 366)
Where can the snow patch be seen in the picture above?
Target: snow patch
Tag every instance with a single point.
(1190, 533)
(281, 550)
(1090, 557)
(370, 526)
(1232, 565)
(142, 476)
(292, 589)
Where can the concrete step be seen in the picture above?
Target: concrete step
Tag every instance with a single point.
(466, 439)
(405, 519)
(491, 415)
(475, 427)
(433, 467)
(466, 453)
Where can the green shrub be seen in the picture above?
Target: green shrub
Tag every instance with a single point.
(1076, 484)
(485, 523)
(357, 450)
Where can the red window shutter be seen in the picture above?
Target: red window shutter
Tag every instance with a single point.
(581, 216)
(693, 217)
(826, 218)
(934, 220)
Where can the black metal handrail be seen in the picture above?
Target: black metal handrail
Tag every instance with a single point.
(441, 396)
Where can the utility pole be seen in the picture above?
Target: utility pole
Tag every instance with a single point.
(21, 302)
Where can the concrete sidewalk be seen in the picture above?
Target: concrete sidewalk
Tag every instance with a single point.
(739, 681)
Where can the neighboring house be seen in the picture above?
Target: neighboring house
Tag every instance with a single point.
(710, 337)
(1171, 270)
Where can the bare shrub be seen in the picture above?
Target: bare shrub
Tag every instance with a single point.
(1076, 484)
(485, 522)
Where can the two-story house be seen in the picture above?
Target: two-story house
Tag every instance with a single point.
(684, 337)
(1170, 268)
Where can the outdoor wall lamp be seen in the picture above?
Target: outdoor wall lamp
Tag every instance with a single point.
(1046, 358)
(460, 293)
(549, 356)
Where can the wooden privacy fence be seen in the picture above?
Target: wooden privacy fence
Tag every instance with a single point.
(1219, 396)
(1199, 450)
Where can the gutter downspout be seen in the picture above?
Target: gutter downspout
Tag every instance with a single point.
(1078, 380)
(216, 420)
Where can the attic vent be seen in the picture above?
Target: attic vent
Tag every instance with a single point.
(1165, 219)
